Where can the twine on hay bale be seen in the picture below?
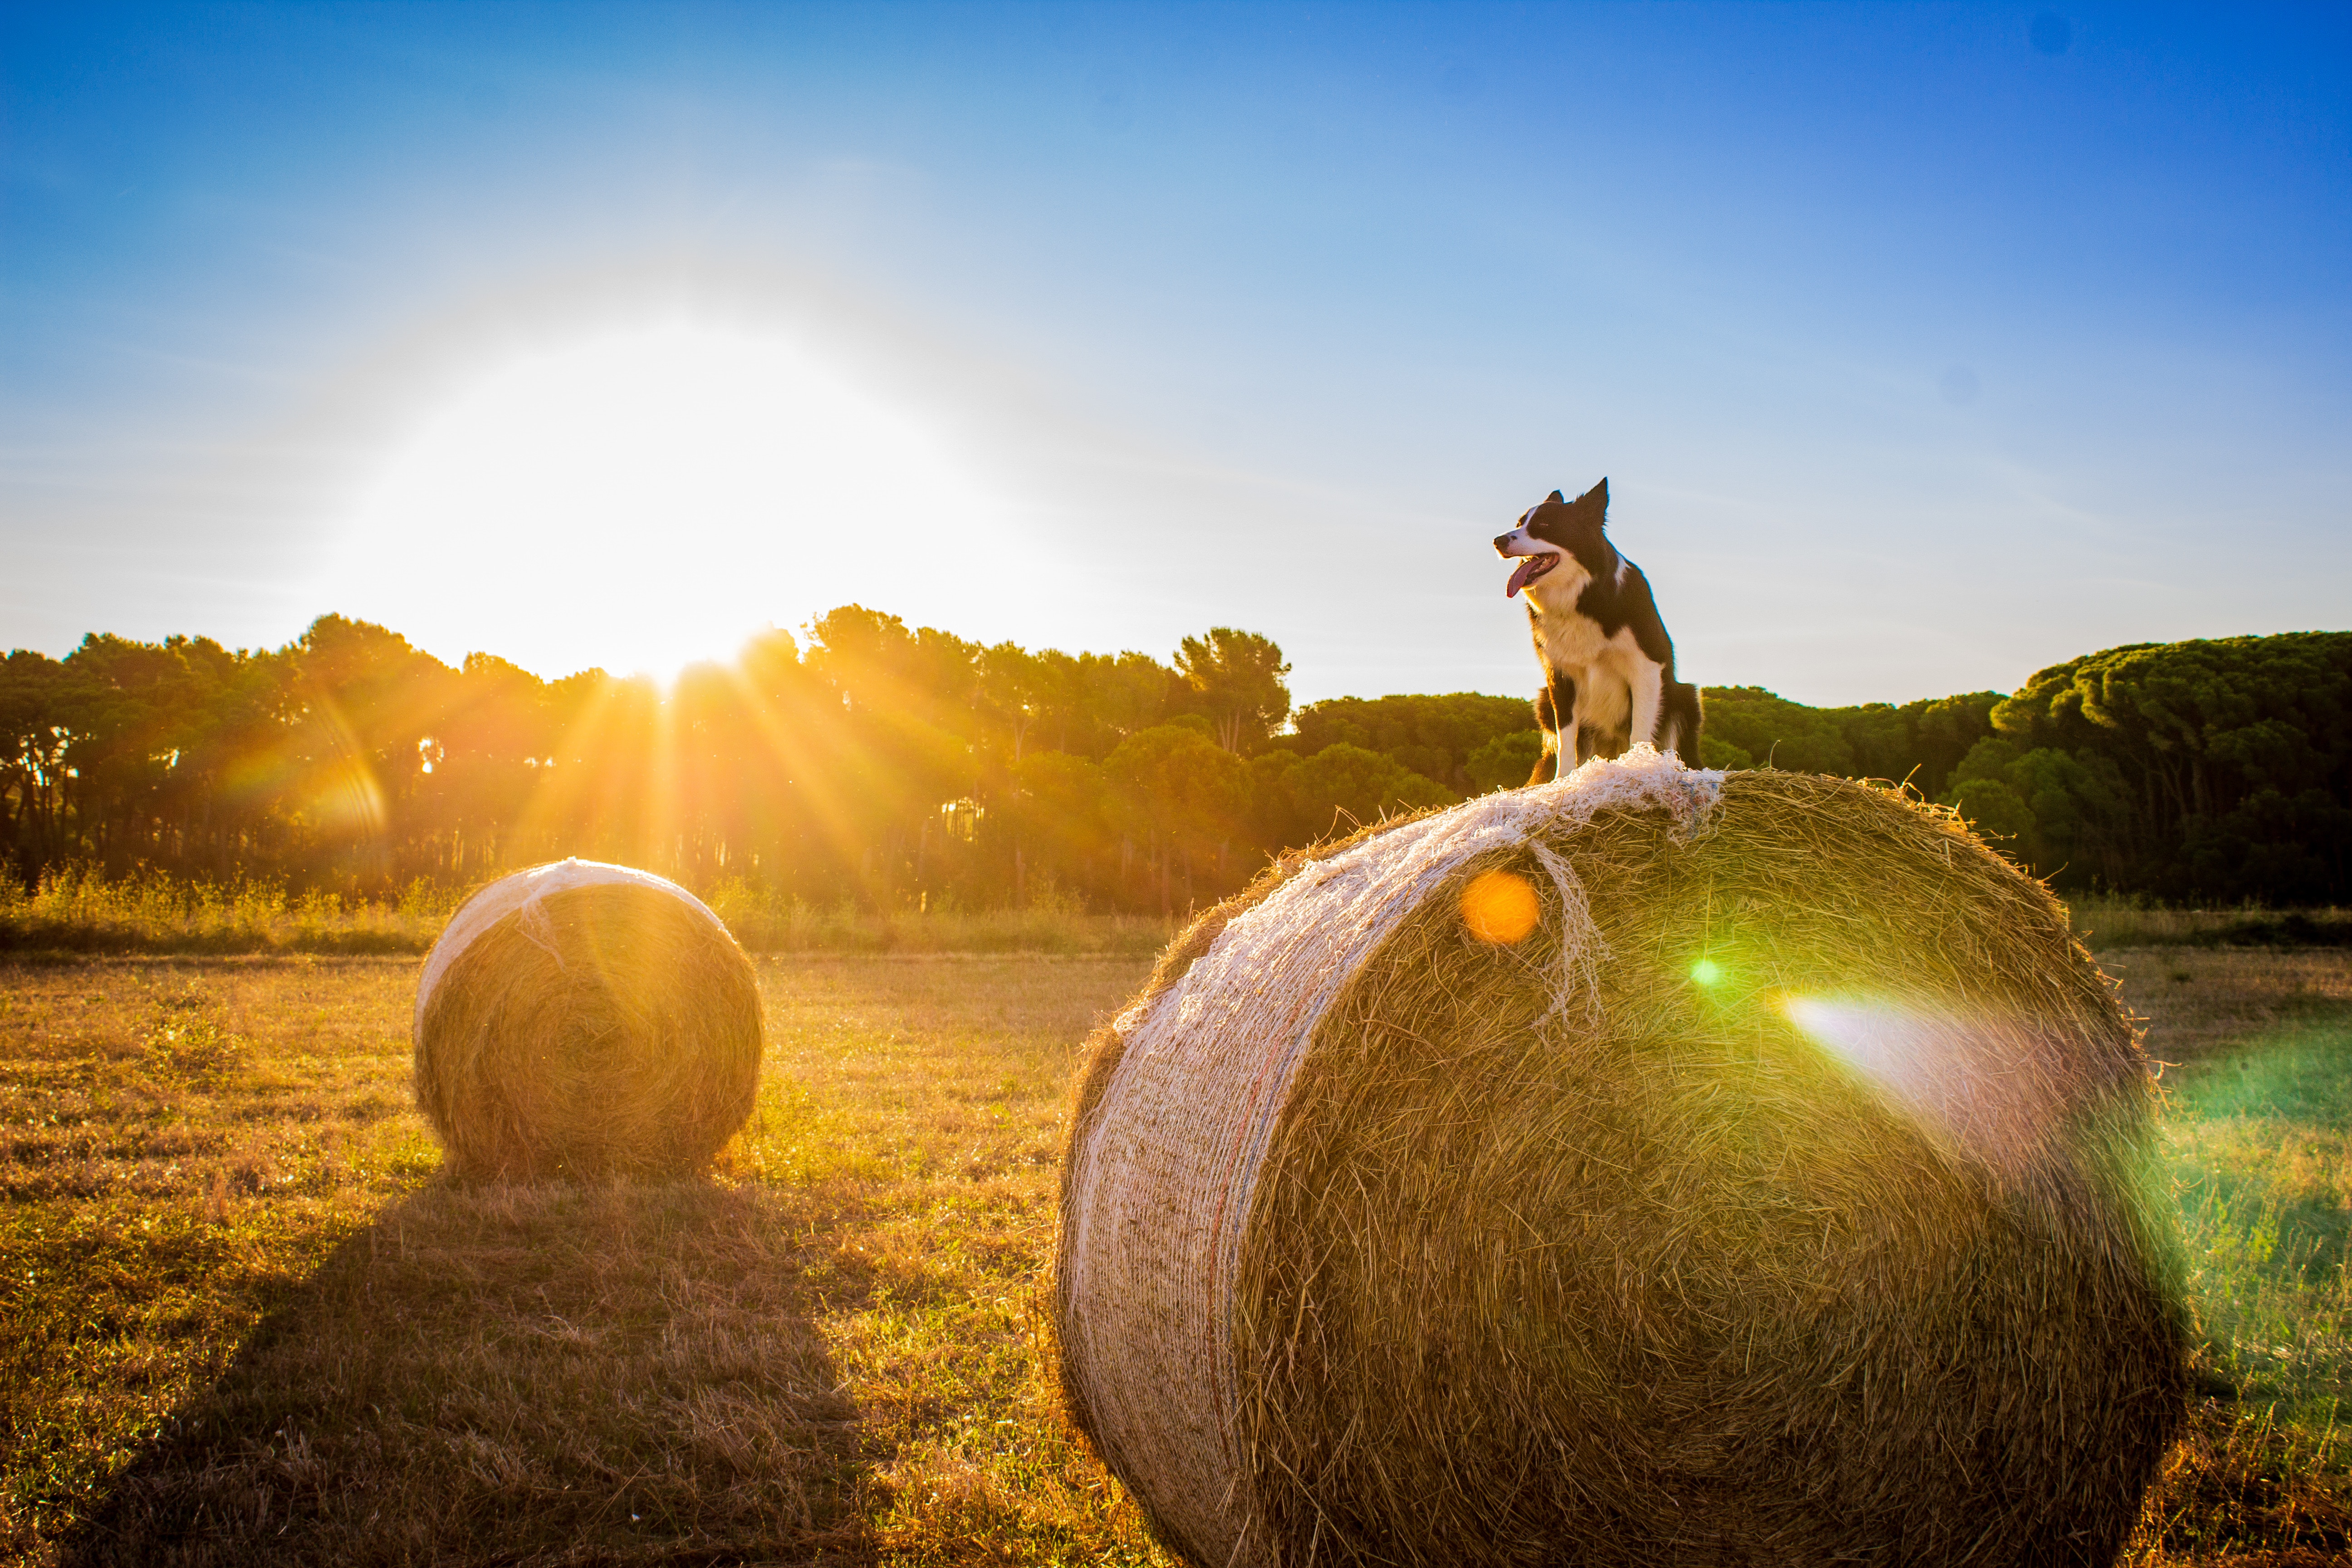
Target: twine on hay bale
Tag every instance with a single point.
(1775, 1194)
(586, 1019)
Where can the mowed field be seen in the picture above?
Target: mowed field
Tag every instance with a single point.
(245, 1322)
(242, 1320)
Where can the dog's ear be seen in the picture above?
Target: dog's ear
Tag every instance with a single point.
(1555, 499)
(1597, 495)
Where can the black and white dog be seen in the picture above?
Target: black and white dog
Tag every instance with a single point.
(1608, 663)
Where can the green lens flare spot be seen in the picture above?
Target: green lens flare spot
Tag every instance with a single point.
(1707, 971)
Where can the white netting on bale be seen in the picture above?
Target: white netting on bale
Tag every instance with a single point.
(584, 1018)
(1390, 1238)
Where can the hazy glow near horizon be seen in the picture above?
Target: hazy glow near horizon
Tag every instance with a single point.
(648, 497)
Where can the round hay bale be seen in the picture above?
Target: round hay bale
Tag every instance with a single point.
(1651, 1167)
(584, 1019)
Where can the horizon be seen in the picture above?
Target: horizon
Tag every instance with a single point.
(1923, 349)
(805, 637)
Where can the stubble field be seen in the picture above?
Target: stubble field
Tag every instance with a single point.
(242, 1320)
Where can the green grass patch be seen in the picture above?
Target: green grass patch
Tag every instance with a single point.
(2258, 1133)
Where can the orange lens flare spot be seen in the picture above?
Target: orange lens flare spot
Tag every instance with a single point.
(1500, 907)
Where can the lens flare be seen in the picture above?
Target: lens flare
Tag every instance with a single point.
(1991, 1085)
(1887, 1045)
(1500, 907)
(1707, 971)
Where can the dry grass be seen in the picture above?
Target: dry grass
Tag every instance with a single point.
(766, 921)
(241, 1319)
(75, 911)
(180, 1146)
(2116, 922)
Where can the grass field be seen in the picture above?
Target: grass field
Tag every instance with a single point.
(2108, 923)
(242, 1321)
(78, 912)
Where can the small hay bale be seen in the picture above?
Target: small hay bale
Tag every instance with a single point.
(1648, 1168)
(584, 1019)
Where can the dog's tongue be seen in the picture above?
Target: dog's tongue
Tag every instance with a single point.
(1526, 569)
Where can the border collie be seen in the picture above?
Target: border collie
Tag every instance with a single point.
(1608, 663)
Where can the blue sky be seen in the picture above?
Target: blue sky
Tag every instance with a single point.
(1922, 345)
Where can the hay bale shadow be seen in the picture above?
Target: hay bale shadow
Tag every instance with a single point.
(538, 1375)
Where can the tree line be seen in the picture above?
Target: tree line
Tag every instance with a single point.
(2216, 770)
(890, 765)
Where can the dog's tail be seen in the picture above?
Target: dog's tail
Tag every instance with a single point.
(1678, 720)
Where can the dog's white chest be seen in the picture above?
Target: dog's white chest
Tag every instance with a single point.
(1566, 638)
(1606, 669)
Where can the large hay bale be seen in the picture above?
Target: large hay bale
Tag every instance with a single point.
(586, 1019)
(1652, 1167)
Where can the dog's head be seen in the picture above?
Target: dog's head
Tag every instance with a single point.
(1552, 528)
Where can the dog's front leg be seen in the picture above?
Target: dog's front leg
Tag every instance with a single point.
(1547, 760)
(1646, 685)
(1562, 692)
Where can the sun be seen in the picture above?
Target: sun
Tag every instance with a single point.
(645, 496)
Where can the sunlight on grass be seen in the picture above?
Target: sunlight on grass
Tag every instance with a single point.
(233, 1287)
(77, 911)
(2108, 922)
(764, 920)
(2258, 1128)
